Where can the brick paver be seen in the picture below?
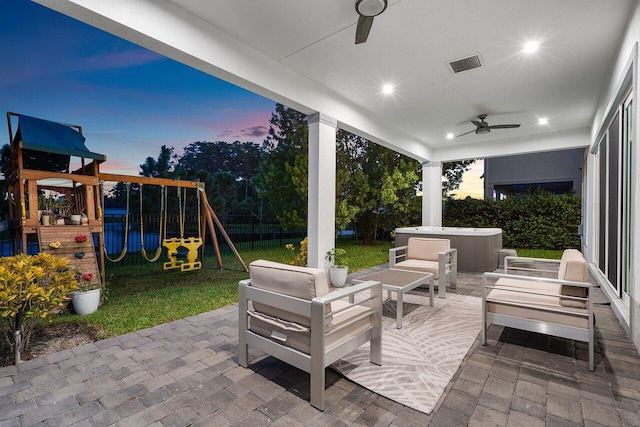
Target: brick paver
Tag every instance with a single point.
(185, 373)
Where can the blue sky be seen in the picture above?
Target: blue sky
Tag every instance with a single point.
(128, 100)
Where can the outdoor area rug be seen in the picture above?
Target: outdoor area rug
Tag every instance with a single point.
(419, 360)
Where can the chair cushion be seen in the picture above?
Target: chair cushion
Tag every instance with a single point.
(573, 267)
(299, 338)
(419, 265)
(300, 282)
(501, 300)
(426, 248)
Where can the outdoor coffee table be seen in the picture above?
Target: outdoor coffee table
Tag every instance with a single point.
(400, 281)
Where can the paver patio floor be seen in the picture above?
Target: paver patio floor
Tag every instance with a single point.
(185, 373)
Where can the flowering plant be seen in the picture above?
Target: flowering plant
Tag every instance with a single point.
(301, 258)
(85, 282)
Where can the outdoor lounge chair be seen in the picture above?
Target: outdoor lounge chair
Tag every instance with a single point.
(561, 306)
(429, 255)
(297, 320)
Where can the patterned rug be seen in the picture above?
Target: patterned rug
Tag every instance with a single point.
(419, 360)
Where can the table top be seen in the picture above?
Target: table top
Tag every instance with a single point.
(396, 277)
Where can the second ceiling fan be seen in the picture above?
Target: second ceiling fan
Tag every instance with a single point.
(484, 127)
(367, 9)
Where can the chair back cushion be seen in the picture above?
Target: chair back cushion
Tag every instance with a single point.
(300, 282)
(426, 248)
(573, 267)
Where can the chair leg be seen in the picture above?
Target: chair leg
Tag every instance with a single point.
(242, 326)
(484, 311)
(317, 385)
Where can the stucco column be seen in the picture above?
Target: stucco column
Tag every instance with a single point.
(322, 188)
(432, 194)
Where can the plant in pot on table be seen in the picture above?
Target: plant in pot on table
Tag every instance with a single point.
(87, 298)
(339, 266)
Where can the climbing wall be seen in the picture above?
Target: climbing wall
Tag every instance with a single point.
(74, 242)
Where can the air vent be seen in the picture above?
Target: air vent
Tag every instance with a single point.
(464, 64)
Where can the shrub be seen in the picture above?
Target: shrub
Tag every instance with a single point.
(301, 258)
(539, 220)
(31, 286)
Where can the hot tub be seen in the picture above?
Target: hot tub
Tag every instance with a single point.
(478, 248)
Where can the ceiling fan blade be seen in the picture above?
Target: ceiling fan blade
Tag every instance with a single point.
(477, 123)
(463, 134)
(504, 126)
(363, 28)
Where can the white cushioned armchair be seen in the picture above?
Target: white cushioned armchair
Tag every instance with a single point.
(560, 306)
(428, 255)
(294, 317)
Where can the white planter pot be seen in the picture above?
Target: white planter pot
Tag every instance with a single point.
(338, 275)
(75, 219)
(86, 302)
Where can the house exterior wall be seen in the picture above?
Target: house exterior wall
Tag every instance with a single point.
(624, 72)
(547, 167)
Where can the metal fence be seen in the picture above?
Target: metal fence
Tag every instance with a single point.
(246, 232)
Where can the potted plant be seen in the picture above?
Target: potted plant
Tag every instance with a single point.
(46, 205)
(339, 266)
(87, 298)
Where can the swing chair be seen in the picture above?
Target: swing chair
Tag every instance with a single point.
(162, 226)
(126, 226)
(191, 244)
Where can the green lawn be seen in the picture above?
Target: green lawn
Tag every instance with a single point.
(143, 296)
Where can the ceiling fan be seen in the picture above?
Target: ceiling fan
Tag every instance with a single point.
(483, 127)
(367, 9)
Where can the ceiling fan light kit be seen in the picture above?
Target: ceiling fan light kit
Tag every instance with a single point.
(367, 9)
(370, 8)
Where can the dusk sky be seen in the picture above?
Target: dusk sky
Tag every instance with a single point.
(128, 100)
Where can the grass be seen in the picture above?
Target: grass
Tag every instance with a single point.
(540, 253)
(143, 296)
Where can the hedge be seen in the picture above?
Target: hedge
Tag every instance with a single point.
(538, 220)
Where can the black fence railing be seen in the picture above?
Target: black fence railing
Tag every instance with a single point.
(246, 233)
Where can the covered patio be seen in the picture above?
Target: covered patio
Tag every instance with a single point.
(186, 373)
(565, 72)
(583, 79)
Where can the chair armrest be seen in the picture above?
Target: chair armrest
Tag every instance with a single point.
(538, 279)
(588, 298)
(395, 256)
(347, 291)
(515, 259)
(450, 256)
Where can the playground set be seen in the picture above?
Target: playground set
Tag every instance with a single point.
(39, 162)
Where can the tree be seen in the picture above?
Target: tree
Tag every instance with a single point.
(376, 187)
(283, 173)
(452, 172)
(242, 159)
(164, 167)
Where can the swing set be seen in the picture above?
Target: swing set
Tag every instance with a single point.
(182, 252)
(40, 161)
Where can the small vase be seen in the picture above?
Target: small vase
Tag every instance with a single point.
(338, 275)
(44, 220)
(86, 302)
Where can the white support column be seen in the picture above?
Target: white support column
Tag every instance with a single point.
(432, 194)
(322, 188)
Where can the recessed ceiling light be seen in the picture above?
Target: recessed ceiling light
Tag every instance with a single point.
(531, 46)
(543, 121)
(449, 135)
(387, 89)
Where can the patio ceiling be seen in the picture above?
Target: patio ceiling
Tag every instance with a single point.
(302, 53)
